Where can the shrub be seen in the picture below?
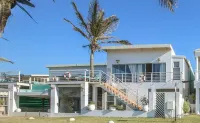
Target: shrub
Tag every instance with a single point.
(120, 107)
(91, 103)
(1, 102)
(144, 101)
(113, 106)
(186, 107)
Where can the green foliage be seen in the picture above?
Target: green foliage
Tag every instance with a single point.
(120, 107)
(113, 106)
(186, 107)
(144, 100)
(1, 102)
(91, 103)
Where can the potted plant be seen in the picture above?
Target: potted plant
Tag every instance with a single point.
(91, 106)
(2, 109)
(145, 103)
(120, 107)
(112, 107)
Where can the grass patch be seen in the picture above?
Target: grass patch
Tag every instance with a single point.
(186, 119)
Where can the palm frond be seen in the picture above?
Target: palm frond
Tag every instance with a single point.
(77, 29)
(109, 24)
(26, 2)
(103, 38)
(170, 4)
(26, 12)
(93, 10)
(79, 16)
(123, 42)
(5, 60)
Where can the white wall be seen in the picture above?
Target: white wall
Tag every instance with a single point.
(140, 56)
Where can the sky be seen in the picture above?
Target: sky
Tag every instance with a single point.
(52, 41)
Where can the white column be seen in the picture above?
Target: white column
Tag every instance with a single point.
(152, 99)
(197, 99)
(197, 69)
(104, 100)
(84, 95)
(94, 94)
(12, 99)
(54, 99)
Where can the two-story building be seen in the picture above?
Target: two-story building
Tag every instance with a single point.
(131, 73)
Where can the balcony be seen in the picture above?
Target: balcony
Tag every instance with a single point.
(148, 77)
(100, 76)
(10, 77)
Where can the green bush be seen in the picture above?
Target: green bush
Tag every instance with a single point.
(91, 103)
(1, 102)
(186, 107)
(120, 107)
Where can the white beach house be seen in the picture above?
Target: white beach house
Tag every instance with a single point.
(131, 73)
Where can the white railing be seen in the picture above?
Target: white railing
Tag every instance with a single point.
(147, 77)
(10, 77)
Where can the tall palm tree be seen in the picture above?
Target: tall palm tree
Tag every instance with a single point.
(96, 29)
(170, 4)
(5, 10)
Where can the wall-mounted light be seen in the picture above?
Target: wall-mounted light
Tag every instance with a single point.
(158, 60)
(117, 61)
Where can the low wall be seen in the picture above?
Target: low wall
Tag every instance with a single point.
(30, 114)
(108, 113)
(96, 113)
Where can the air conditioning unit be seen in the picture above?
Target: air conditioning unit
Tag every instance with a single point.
(170, 105)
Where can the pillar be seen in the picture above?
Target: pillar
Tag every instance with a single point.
(152, 99)
(197, 99)
(104, 100)
(197, 69)
(13, 102)
(94, 94)
(54, 99)
(84, 95)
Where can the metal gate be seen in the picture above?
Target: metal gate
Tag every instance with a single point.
(160, 105)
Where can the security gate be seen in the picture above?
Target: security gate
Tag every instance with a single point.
(160, 105)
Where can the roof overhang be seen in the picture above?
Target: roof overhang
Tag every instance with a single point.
(137, 47)
(73, 65)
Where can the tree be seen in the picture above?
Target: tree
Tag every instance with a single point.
(5, 10)
(170, 4)
(96, 29)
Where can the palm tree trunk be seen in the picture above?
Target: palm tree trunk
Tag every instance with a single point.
(92, 63)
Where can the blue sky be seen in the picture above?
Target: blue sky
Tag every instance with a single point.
(52, 41)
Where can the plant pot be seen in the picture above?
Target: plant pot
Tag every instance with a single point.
(112, 108)
(91, 107)
(18, 110)
(146, 108)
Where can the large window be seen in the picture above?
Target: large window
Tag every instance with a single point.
(131, 72)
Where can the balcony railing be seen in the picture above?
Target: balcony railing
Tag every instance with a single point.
(148, 77)
(99, 76)
(10, 77)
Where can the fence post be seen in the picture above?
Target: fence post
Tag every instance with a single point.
(100, 76)
(151, 77)
(19, 76)
(85, 76)
(122, 78)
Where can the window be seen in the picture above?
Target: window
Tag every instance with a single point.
(110, 100)
(176, 71)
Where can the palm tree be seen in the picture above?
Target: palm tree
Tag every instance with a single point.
(96, 29)
(5, 10)
(170, 4)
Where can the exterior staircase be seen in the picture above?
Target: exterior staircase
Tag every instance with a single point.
(121, 95)
(115, 86)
